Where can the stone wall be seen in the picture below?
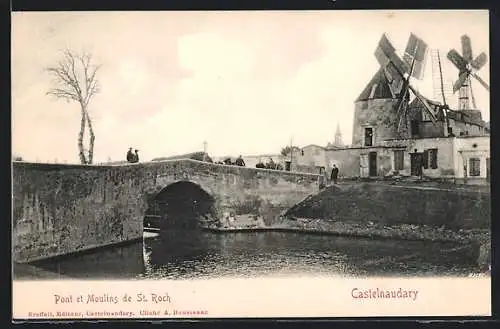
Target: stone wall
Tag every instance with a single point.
(348, 160)
(60, 209)
(445, 156)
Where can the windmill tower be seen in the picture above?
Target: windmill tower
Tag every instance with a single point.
(467, 67)
(381, 110)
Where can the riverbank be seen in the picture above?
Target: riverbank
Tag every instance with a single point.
(356, 229)
(381, 210)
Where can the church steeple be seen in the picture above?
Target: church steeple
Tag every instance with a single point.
(338, 137)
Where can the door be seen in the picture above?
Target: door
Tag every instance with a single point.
(363, 165)
(372, 159)
(416, 164)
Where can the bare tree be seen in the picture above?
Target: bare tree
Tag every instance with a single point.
(75, 80)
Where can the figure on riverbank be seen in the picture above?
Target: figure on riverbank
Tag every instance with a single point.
(335, 174)
(130, 155)
(239, 161)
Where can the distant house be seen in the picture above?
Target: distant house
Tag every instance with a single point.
(310, 158)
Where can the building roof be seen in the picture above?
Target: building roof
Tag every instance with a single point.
(452, 114)
(377, 88)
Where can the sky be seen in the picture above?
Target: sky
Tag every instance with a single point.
(245, 82)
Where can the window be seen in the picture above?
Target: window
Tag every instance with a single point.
(398, 159)
(429, 159)
(425, 159)
(302, 152)
(368, 136)
(433, 158)
(474, 167)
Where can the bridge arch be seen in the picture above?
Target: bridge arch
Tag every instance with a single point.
(180, 205)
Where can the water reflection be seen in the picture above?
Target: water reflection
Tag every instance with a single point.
(125, 261)
(184, 254)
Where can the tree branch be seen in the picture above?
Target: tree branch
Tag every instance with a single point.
(70, 59)
(61, 93)
(76, 80)
(92, 85)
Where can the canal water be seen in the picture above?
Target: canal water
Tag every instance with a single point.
(193, 254)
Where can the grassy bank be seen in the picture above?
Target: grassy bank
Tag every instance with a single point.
(395, 205)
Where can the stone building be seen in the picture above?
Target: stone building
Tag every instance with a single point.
(310, 158)
(454, 147)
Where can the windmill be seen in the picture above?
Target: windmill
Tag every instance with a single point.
(467, 68)
(399, 71)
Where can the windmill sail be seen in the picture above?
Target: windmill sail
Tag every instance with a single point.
(393, 66)
(467, 67)
(386, 53)
(479, 61)
(398, 71)
(415, 54)
(466, 48)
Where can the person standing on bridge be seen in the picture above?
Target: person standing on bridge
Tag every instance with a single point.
(136, 156)
(130, 155)
(240, 162)
(335, 174)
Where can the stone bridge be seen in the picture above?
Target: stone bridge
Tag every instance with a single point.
(61, 209)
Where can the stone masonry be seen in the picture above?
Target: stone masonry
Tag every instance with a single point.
(61, 209)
